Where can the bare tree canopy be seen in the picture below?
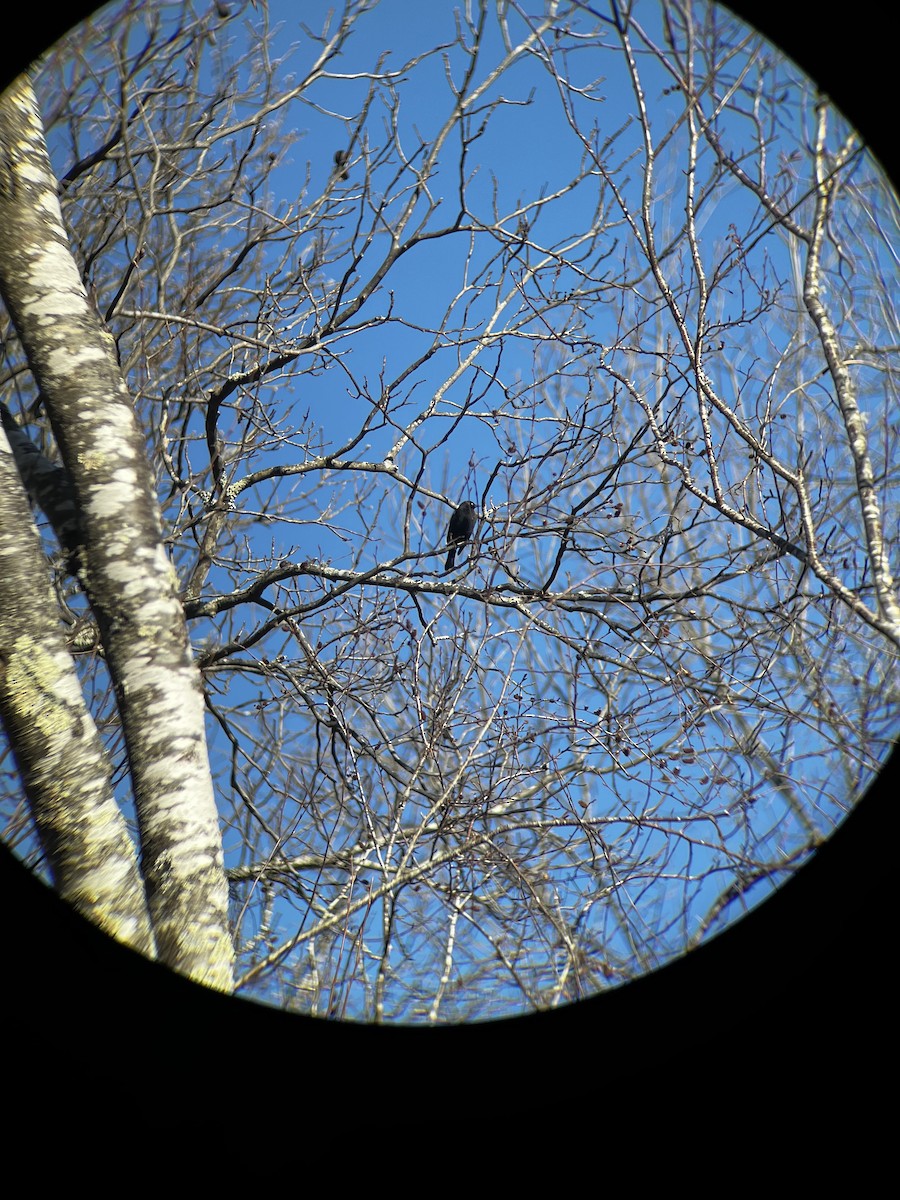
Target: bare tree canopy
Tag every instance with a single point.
(617, 273)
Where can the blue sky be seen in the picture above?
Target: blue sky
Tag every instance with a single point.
(525, 154)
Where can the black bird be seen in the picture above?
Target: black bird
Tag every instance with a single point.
(462, 523)
(341, 157)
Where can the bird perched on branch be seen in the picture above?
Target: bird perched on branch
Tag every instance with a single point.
(341, 158)
(462, 523)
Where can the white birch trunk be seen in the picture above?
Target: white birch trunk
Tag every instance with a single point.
(128, 577)
(64, 769)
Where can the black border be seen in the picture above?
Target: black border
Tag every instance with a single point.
(798, 995)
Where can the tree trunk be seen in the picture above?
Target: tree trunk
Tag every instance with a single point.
(129, 580)
(58, 750)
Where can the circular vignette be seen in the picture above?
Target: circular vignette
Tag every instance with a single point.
(793, 948)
